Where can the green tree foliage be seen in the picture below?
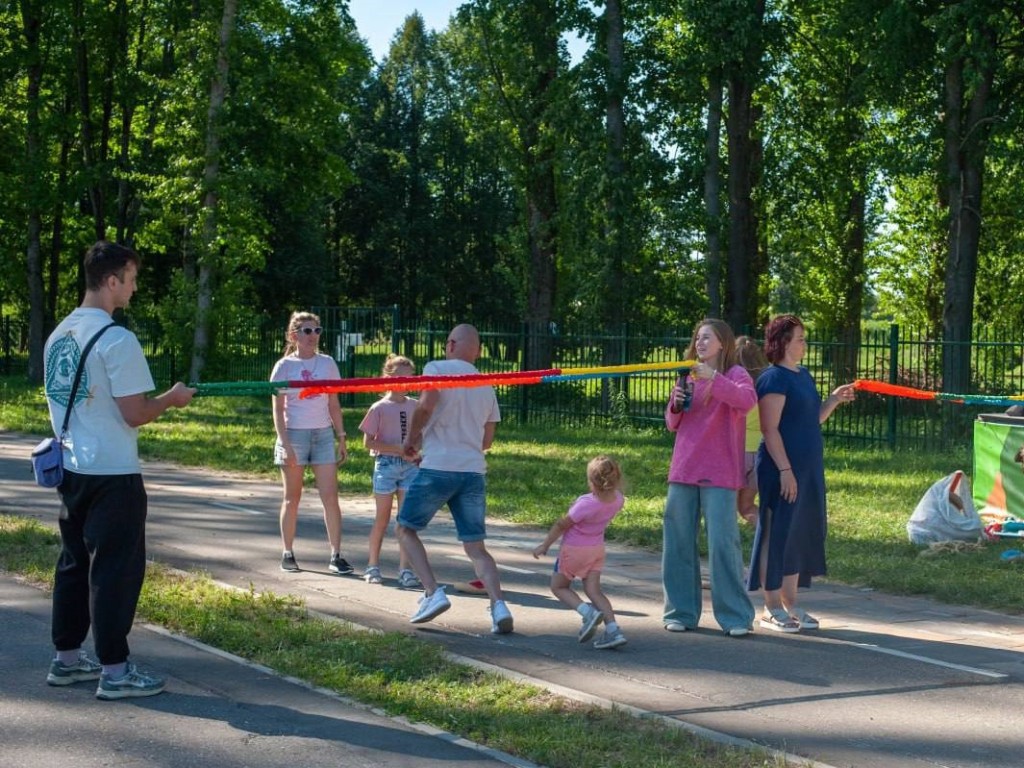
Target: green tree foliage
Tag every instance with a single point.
(737, 157)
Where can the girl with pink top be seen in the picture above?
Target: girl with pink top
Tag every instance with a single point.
(384, 429)
(582, 552)
(705, 473)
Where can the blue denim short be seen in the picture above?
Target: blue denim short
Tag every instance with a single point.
(311, 446)
(392, 473)
(465, 493)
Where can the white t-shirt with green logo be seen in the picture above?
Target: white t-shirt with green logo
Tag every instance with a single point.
(99, 441)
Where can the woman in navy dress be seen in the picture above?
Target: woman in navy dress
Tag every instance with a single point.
(789, 545)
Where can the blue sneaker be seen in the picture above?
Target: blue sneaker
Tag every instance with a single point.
(81, 671)
(133, 684)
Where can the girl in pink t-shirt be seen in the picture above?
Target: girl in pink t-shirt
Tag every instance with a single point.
(582, 552)
(384, 429)
(705, 472)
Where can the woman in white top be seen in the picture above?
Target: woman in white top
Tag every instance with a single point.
(306, 430)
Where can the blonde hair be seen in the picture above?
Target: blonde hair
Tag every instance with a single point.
(294, 323)
(604, 474)
(751, 356)
(393, 362)
(727, 354)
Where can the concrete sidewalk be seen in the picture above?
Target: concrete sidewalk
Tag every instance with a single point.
(888, 681)
(217, 711)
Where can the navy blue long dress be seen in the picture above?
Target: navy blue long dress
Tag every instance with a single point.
(796, 530)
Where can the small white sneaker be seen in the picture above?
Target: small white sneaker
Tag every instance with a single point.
(590, 622)
(501, 618)
(431, 606)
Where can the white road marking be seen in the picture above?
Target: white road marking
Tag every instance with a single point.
(500, 566)
(928, 660)
(235, 507)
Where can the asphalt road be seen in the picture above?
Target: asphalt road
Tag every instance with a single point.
(887, 681)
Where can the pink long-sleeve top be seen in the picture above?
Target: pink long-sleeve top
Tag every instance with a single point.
(710, 435)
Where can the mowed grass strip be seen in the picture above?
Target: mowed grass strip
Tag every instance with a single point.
(535, 472)
(392, 671)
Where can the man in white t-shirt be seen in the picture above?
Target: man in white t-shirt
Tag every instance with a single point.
(102, 561)
(456, 427)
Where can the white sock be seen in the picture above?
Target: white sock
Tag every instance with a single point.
(612, 626)
(115, 671)
(67, 658)
(583, 609)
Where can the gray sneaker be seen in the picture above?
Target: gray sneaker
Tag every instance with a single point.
(81, 671)
(409, 580)
(288, 563)
(610, 640)
(590, 622)
(133, 684)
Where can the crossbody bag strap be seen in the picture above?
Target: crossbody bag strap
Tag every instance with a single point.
(78, 378)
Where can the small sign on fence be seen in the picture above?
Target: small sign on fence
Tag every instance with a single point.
(344, 342)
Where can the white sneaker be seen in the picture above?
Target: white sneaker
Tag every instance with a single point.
(501, 618)
(590, 622)
(431, 606)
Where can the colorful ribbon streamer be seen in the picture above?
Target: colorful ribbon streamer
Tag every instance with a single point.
(423, 383)
(912, 393)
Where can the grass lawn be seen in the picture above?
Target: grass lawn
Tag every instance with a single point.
(533, 475)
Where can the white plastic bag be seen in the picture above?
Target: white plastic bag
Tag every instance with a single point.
(945, 513)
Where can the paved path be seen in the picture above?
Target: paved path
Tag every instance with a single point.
(888, 681)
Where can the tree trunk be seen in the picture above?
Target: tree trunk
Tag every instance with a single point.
(712, 194)
(615, 302)
(745, 264)
(541, 197)
(211, 171)
(89, 159)
(615, 133)
(742, 275)
(34, 178)
(965, 142)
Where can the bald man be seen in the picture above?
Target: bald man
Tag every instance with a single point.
(455, 427)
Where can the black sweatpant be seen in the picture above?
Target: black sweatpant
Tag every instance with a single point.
(102, 562)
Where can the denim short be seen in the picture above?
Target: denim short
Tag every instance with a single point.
(392, 473)
(311, 446)
(465, 493)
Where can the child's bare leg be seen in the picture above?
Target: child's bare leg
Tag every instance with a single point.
(561, 587)
(380, 526)
(592, 586)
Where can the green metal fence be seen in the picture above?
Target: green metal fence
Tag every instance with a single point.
(360, 338)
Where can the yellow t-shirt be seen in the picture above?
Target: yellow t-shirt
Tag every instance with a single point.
(753, 430)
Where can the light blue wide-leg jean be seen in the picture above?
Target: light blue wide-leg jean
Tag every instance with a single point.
(680, 559)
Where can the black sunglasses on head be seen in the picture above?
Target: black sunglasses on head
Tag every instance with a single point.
(318, 330)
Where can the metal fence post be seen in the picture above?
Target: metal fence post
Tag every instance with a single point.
(6, 335)
(524, 404)
(394, 328)
(894, 349)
